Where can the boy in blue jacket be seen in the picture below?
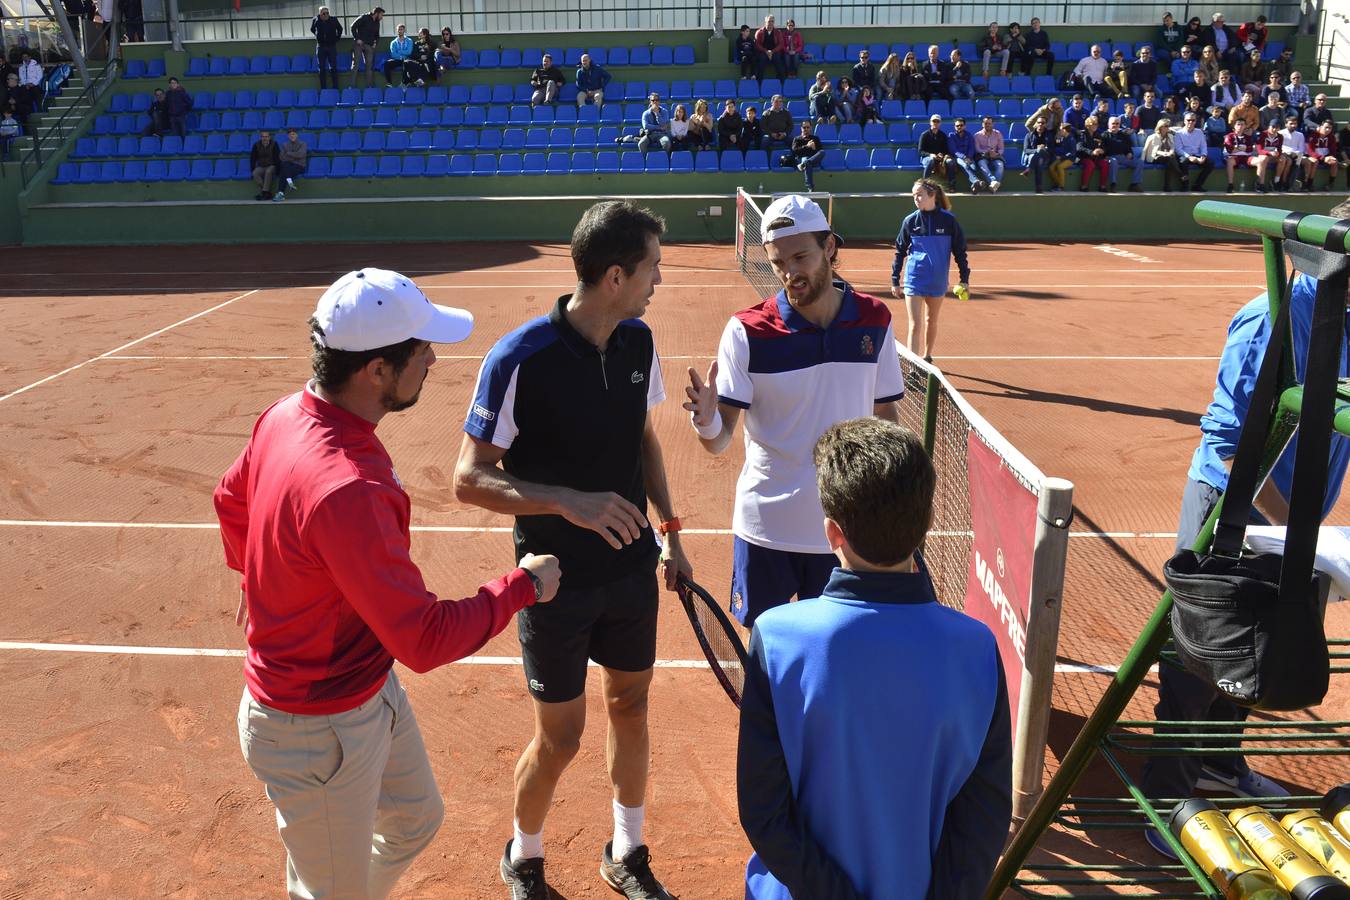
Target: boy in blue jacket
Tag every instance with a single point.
(875, 755)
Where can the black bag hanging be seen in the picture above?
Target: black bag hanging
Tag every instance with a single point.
(1251, 623)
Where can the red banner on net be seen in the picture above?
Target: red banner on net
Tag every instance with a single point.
(998, 588)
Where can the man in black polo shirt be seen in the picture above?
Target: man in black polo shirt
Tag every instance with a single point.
(558, 435)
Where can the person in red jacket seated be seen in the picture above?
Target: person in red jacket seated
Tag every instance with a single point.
(314, 517)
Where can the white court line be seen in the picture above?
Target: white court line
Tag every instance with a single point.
(497, 529)
(1093, 358)
(132, 650)
(474, 358)
(15, 393)
(127, 291)
(477, 358)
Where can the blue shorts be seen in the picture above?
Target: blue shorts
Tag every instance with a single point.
(762, 578)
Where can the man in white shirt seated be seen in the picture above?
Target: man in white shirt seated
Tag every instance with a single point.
(1296, 148)
(1090, 73)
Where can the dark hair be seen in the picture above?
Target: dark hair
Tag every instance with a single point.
(378, 9)
(876, 482)
(612, 233)
(334, 368)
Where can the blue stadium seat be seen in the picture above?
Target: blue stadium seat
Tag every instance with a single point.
(419, 141)
(286, 99)
(770, 86)
(537, 138)
(1011, 109)
(732, 162)
(747, 89)
(657, 163)
(556, 163)
(498, 114)
(279, 65)
(510, 58)
(216, 143)
(350, 141)
(853, 49)
(1029, 106)
(466, 140)
(915, 109)
(882, 158)
(599, 55)
(833, 161)
(201, 170)
(397, 142)
(474, 116)
(585, 136)
(681, 90)
(583, 163)
(963, 109)
(318, 167)
(217, 67)
(874, 133)
(327, 142)
(857, 159)
(487, 59)
(560, 138)
(684, 55)
(413, 166)
(939, 108)
(66, 173)
(391, 96)
(178, 170)
(850, 133)
(633, 90)
(428, 117)
(617, 56)
(405, 117)
(350, 96)
(566, 115)
(340, 118)
(297, 119)
(342, 167)
(443, 140)
(828, 134)
(794, 89)
(756, 161)
(155, 170)
(154, 69)
(490, 139)
(606, 162)
(518, 115)
(273, 120)
(371, 96)
(251, 120)
(468, 59)
(149, 146)
(198, 67)
(907, 158)
(485, 164)
(87, 173)
(373, 142)
(140, 103)
(366, 167)
(438, 165)
(300, 64)
(704, 88)
(835, 53)
(120, 103)
(389, 167)
(1075, 51)
(363, 117)
(208, 121)
(986, 107)
(663, 56)
(681, 161)
(84, 147)
(589, 113)
(326, 98)
(705, 161)
(127, 123)
(631, 162)
(1017, 131)
(222, 170)
(533, 164)
(257, 65)
(240, 143)
(126, 146)
(513, 139)
(480, 94)
(724, 89)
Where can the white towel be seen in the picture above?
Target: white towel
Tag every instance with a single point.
(1333, 552)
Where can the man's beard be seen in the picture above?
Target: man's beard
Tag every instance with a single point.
(816, 286)
(392, 403)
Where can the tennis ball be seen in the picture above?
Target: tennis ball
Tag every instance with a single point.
(962, 292)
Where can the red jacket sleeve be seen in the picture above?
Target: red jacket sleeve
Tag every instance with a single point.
(231, 499)
(357, 533)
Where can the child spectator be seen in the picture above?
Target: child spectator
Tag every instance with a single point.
(1102, 111)
(159, 115)
(449, 52)
(1322, 152)
(958, 77)
(992, 45)
(679, 127)
(1066, 154)
(1117, 78)
(845, 99)
(729, 128)
(1193, 105)
(1216, 127)
(1270, 154)
(1038, 152)
(1239, 150)
(1160, 150)
(1092, 156)
(962, 144)
(888, 78)
(794, 48)
(1017, 46)
(935, 152)
(746, 53)
(930, 238)
(820, 100)
(293, 160)
(890, 801)
(752, 130)
(867, 109)
(989, 149)
(807, 153)
(9, 130)
(701, 127)
(547, 81)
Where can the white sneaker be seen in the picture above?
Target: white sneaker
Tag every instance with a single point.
(290, 184)
(278, 197)
(995, 185)
(1252, 784)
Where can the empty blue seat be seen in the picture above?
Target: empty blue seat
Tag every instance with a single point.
(397, 142)
(756, 161)
(509, 164)
(640, 56)
(732, 162)
(443, 140)
(940, 108)
(986, 107)
(835, 53)
(474, 116)
(663, 56)
(510, 58)
(907, 158)
(828, 134)
(794, 89)
(149, 146)
(480, 94)
(373, 142)
(83, 147)
(513, 139)
(557, 163)
(418, 141)
(239, 143)
(218, 66)
(724, 89)
(874, 133)
(372, 96)
(155, 170)
(963, 109)
(251, 120)
(258, 65)
(466, 140)
(391, 96)
(300, 64)
(66, 173)
(216, 142)
(178, 170)
(342, 167)
(681, 161)
(487, 59)
(617, 56)
(485, 164)
(631, 162)
(684, 55)
(126, 146)
(103, 124)
(406, 117)
(555, 137)
(327, 142)
(518, 115)
(128, 123)
(201, 170)
(87, 173)
(389, 167)
(468, 59)
(120, 103)
(439, 95)
(413, 166)
(833, 160)
(366, 167)
(438, 165)
(238, 65)
(584, 136)
(363, 117)
(915, 109)
(171, 145)
(326, 98)
(349, 141)
(857, 159)
(490, 139)
(705, 161)
(1023, 84)
(222, 170)
(349, 97)
(498, 114)
(273, 120)
(533, 164)
(898, 132)
(606, 162)
(657, 163)
(340, 118)
(850, 133)
(297, 119)
(198, 66)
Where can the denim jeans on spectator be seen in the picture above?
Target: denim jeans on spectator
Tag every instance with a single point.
(790, 63)
(961, 90)
(931, 161)
(327, 65)
(968, 166)
(991, 169)
(844, 111)
(808, 167)
(1137, 164)
(1037, 161)
(1003, 59)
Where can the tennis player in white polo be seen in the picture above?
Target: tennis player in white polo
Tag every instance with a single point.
(816, 353)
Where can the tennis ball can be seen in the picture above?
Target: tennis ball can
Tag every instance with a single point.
(1336, 809)
(1296, 869)
(1320, 838)
(1211, 841)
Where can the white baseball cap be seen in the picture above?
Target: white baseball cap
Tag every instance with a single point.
(803, 213)
(373, 308)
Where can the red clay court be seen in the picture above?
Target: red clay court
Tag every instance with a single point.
(132, 378)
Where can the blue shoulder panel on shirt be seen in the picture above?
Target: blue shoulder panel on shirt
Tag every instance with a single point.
(500, 364)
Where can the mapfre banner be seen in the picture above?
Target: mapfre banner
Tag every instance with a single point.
(998, 589)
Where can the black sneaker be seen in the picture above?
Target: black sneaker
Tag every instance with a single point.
(525, 878)
(632, 876)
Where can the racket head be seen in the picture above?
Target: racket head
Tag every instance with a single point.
(705, 614)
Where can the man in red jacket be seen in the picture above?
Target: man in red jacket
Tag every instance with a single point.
(315, 518)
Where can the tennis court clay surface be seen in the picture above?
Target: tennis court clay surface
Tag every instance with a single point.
(131, 379)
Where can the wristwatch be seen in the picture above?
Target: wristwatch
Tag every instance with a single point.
(670, 526)
(538, 585)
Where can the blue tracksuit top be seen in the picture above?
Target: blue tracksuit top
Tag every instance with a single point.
(401, 47)
(924, 249)
(875, 754)
(1221, 425)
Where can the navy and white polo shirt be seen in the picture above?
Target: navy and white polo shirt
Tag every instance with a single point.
(794, 380)
(569, 414)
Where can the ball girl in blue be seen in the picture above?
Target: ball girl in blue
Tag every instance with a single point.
(929, 238)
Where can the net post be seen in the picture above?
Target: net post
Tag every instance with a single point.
(930, 413)
(1053, 514)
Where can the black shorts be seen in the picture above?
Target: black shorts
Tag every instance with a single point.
(613, 624)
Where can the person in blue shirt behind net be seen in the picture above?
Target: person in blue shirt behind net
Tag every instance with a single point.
(1182, 696)
(875, 754)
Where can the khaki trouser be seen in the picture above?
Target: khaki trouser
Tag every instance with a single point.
(355, 797)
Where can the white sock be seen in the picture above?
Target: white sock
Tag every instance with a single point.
(627, 829)
(526, 846)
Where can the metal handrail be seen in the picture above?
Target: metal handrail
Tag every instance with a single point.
(92, 91)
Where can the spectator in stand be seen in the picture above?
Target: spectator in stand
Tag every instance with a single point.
(962, 145)
(1209, 64)
(989, 149)
(1247, 112)
(1198, 86)
(1117, 77)
(1184, 65)
(1297, 93)
(1224, 40)
(701, 127)
(1294, 145)
(365, 38)
(993, 45)
(655, 125)
(15, 98)
(30, 80)
(591, 82)
(1171, 108)
(1322, 151)
(1052, 111)
(937, 73)
(547, 82)
(1102, 111)
(1225, 93)
(865, 72)
(913, 82)
(1273, 111)
(9, 130)
(178, 103)
(1148, 113)
(868, 108)
(1284, 64)
(294, 159)
(132, 13)
(679, 129)
(777, 125)
(1192, 155)
(1343, 151)
(820, 101)
(1038, 49)
(1017, 46)
(1269, 152)
(1119, 145)
(1143, 73)
(449, 52)
(1193, 35)
(326, 30)
(845, 99)
(745, 52)
(958, 73)
(1252, 35)
(807, 152)
(752, 129)
(1160, 150)
(1038, 151)
(769, 42)
(1193, 105)
(935, 152)
(1129, 123)
(1090, 72)
(1274, 88)
(1216, 127)
(888, 78)
(1315, 115)
(159, 115)
(1076, 114)
(421, 66)
(1167, 46)
(794, 49)
(1254, 73)
(1066, 154)
(729, 125)
(1093, 156)
(400, 51)
(1239, 150)
(263, 161)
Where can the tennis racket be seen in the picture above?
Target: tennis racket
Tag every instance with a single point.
(717, 637)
